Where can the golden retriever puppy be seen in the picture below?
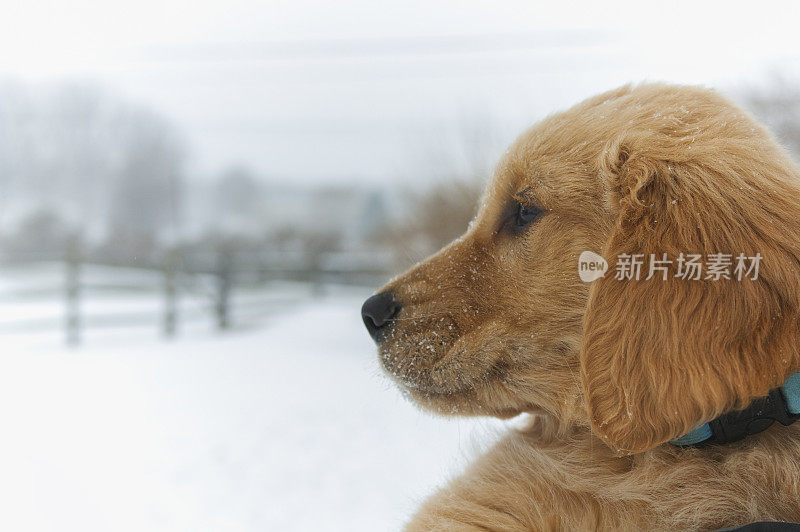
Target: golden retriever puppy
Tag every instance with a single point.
(500, 323)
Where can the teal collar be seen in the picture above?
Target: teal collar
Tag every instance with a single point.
(781, 405)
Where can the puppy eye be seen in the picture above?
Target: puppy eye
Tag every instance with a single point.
(526, 214)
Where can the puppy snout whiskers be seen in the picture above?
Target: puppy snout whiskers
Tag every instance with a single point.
(378, 312)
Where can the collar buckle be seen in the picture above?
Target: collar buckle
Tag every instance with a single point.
(757, 417)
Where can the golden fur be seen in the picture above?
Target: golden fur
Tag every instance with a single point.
(499, 323)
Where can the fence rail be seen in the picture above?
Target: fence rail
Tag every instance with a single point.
(183, 290)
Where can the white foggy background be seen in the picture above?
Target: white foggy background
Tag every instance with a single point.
(195, 198)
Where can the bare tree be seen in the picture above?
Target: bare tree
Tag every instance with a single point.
(89, 159)
(40, 235)
(459, 164)
(435, 216)
(147, 195)
(237, 198)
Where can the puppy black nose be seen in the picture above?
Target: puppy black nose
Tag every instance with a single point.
(378, 312)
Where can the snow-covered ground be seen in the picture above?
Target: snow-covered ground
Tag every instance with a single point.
(287, 426)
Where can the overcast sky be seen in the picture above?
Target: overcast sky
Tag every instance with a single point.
(366, 89)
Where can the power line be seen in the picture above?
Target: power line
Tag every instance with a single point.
(377, 47)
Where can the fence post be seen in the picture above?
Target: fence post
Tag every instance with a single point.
(317, 281)
(170, 267)
(72, 262)
(224, 276)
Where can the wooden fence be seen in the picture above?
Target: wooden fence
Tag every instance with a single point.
(211, 280)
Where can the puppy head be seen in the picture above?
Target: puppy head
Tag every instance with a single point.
(499, 322)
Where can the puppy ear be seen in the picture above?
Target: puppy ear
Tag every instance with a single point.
(661, 356)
